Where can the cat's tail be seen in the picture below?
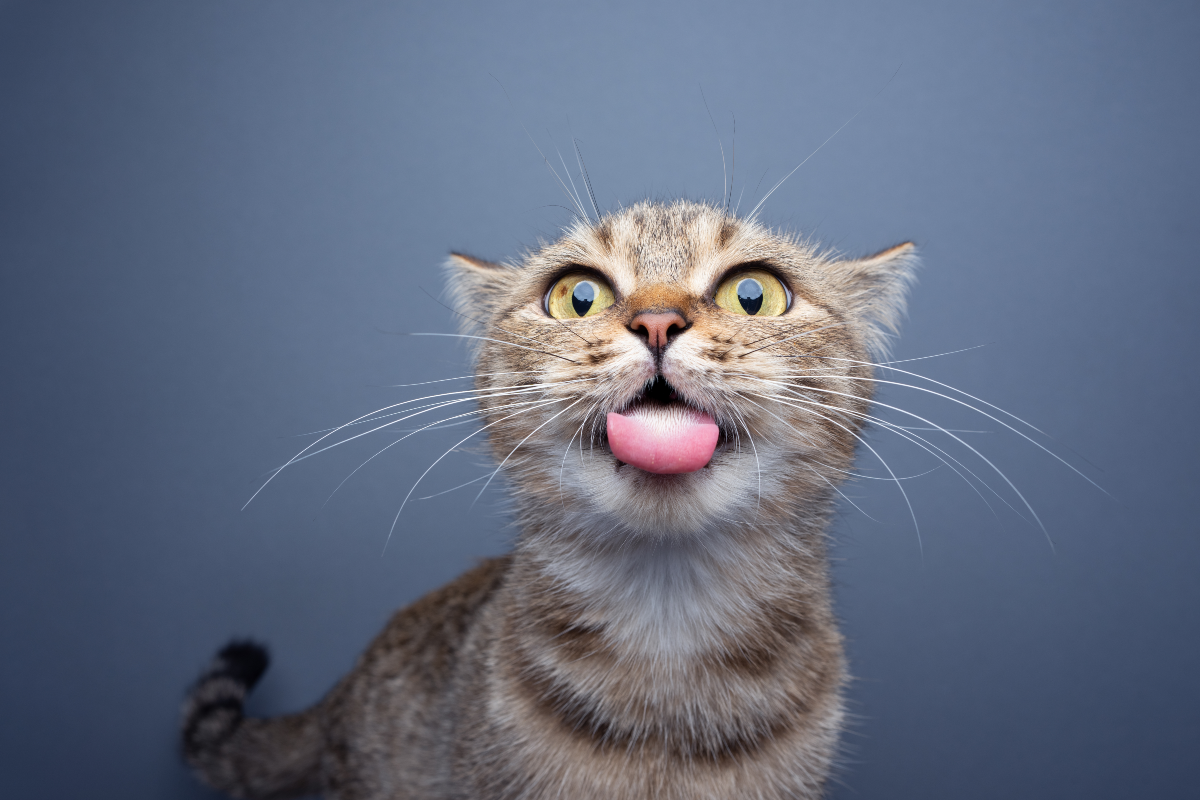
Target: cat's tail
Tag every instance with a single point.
(252, 758)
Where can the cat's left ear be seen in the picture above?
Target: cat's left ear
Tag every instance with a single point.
(476, 288)
(876, 290)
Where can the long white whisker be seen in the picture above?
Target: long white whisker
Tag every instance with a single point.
(479, 322)
(757, 463)
(850, 473)
(920, 441)
(567, 451)
(297, 458)
(567, 172)
(952, 430)
(472, 394)
(978, 454)
(721, 144)
(455, 489)
(1027, 438)
(899, 430)
(587, 181)
(865, 444)
(472, 413)
(935, 355)
(439, 459)
(489, 339)
(886, 365)
(839, 491)
(790, 338)
(814, 152)
(518, 447)
(582, 214)
(462, 378)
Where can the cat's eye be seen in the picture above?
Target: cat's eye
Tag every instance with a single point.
(578, 295)
(754, 292)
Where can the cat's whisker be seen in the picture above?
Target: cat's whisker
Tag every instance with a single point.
(772, 335)
(790, 338)
(587, 180)
(472, 413)
(567, 172)
(497, 341)
(731, 341)
(757, 462)
(916, 439)
(724, 176)
(312, 445)
(921, 442)
(480, 323)
(567, 451)
(1024, 436)
(432, 428)
(765, 197)
(443, 455)
(935, 355)
(373, 420)
(866, 444)
(942, 456)
(455, 489)
(518, 447)
(886, 365)
(573, 332)
(952, 430)
(814, 152)
(582, 214)
(978, 454)
(471, 394)
(861, 476)
(841, 493)
(422, 409)
(732, 162)
(463, 378)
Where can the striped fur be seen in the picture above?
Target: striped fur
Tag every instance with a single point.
(666, 636)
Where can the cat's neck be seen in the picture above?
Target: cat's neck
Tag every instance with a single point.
(676, 644)
(678, 597)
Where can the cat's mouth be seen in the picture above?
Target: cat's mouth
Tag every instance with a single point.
(659, 432)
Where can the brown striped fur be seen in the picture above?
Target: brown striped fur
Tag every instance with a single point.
(665, 636)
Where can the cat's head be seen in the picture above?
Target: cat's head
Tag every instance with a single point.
(640, 333)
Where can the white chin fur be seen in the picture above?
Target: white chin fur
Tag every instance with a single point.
(670, 505)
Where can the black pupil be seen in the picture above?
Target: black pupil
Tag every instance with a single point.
(750, 295)
(583, 297)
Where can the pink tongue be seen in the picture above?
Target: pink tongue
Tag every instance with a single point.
(663, 439)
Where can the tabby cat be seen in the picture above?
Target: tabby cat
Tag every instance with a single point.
(673, 393)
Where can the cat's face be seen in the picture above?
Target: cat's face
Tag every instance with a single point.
(672, 337)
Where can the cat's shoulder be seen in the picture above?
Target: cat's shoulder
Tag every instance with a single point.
(425, 636)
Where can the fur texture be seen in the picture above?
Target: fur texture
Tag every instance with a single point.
(666, 636)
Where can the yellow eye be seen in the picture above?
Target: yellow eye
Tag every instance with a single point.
(579, 295)
(753, 292)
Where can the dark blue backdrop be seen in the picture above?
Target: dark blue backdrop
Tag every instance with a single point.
(213, 216)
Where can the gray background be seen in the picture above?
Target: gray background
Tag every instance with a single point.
(214, 216)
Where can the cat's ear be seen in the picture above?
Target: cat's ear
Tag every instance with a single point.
(876, 290)
(476, 289)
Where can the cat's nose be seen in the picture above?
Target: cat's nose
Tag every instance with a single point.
(658, 327)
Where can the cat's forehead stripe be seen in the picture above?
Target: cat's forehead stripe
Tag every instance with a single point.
(660, 244)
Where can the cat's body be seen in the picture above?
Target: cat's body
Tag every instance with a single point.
(660, 630)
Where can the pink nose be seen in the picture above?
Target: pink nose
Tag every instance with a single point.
(658, 327)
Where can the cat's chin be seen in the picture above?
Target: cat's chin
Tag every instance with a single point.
(665, 504)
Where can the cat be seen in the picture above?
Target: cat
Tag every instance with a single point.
(674, 393)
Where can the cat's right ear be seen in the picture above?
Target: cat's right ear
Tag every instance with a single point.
(476, 289)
